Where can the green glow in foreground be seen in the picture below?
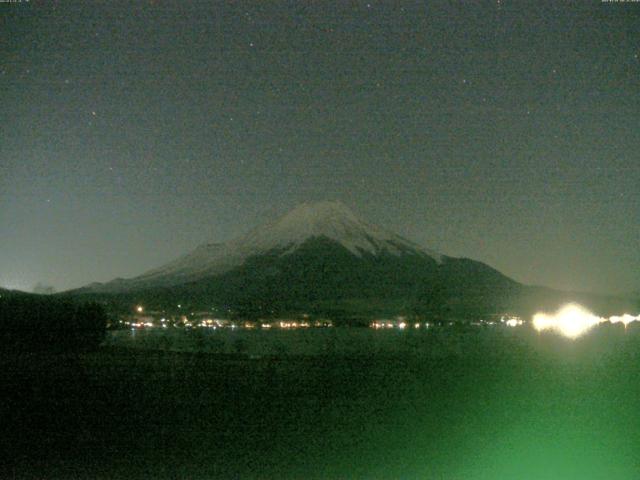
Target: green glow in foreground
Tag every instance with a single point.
(573, 320)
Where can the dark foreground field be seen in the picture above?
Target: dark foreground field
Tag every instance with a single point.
(527, 408)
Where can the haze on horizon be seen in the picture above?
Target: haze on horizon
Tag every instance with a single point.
(507, 133)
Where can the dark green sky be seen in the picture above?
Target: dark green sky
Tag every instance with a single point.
(507, 132)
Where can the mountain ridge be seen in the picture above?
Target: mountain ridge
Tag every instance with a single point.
(330, 219)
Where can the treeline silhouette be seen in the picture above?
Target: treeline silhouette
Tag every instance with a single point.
(41, 323)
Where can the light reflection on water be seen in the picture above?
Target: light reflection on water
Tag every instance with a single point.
(573, 320)
(430, 343)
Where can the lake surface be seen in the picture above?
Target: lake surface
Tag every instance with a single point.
(363, 404)
(342, 341)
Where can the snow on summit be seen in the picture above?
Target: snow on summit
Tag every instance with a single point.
(331, 220)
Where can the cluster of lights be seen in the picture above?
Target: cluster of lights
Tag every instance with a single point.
(285, 324)
(512, 322)
(221, 324)
(214, 324)
(139, 324)
(288, 324)
(573, 320)
(402, 325)
(208, 323)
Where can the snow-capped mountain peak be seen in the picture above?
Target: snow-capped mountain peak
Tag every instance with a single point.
(329, 219)
(332, 220)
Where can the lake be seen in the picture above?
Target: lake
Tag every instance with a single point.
(329, 404)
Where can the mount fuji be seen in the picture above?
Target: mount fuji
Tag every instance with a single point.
(322, 258)
(331, 221)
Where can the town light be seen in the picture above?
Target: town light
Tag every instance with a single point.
(571, 321)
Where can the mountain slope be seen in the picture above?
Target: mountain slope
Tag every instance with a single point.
(318, 258)
(321, 259)
(330, 220)
(323, 277)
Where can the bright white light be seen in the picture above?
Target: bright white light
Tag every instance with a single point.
(574, 321)
(402, 325)
(542, 321)
(571, 321)
(139, 309)
(625, 319)
(513, 322)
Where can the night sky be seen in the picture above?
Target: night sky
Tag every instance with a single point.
(131, 132)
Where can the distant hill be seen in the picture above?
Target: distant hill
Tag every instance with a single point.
(12, 293)
(321, 259)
